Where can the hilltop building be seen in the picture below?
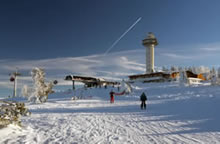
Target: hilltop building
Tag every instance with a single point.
(149, 43)
(90, 81)
(150, 76)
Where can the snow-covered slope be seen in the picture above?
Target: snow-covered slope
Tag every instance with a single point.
(175, 114)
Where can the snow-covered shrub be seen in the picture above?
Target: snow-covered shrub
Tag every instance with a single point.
(11, 111)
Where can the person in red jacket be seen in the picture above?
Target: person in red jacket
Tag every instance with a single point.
(112, 99)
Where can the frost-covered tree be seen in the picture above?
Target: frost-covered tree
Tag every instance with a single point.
(212, 72)
(213, 75)
(194, 70)
(26, 91)
(180, 69)
(203, 69)
(219, 72)
(165, 69)
(174, 68)
(189, 69)
(39, 93)
(183, 78)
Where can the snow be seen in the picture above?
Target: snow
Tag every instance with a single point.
(175, 114)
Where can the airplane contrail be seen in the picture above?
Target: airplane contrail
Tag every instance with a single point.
(123, 35)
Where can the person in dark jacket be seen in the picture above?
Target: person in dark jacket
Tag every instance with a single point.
(143, 99)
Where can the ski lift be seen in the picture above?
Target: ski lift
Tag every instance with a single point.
(12, 79)
(55, 82)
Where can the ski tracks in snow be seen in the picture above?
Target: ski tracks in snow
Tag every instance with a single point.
(98, 122)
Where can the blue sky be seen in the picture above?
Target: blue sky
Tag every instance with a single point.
(71, 36)
(50, 28)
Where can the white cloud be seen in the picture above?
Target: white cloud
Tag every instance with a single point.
(188, 55)
(176, 56)
(111, 66)
(211, 49)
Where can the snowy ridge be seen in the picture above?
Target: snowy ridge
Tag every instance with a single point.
(175, 114)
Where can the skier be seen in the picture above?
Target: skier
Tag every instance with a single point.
(143, 98)
(111, 96)
(112, 99)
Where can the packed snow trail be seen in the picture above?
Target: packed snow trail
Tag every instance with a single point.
(169, 118)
